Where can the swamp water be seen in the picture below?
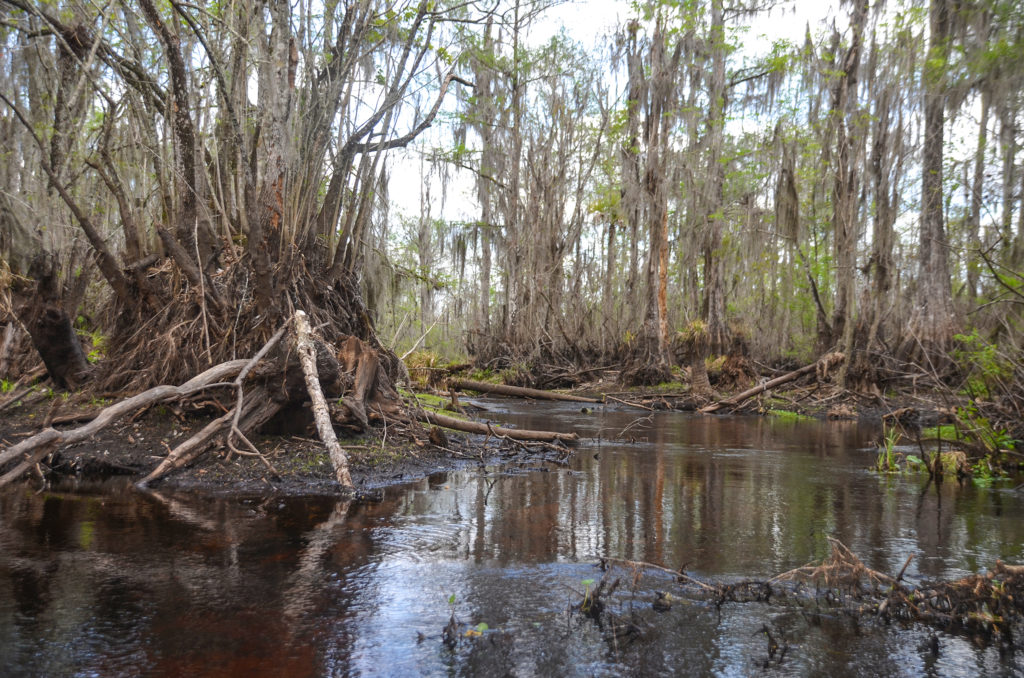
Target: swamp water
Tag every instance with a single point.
(105, 581)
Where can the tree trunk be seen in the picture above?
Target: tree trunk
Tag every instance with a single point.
(977, 187)
(931, 326)
(714, 207)
(50, 327)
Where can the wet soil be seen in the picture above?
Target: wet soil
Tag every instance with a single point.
(135, 446)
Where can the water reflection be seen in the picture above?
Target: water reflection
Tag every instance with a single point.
(106, 581)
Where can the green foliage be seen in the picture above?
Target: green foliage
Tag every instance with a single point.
(976, 428)
(485, 374)
(887, 461)
(97, 340)
(6, 386)
(943, 432)
(788, 415)
(986, 368)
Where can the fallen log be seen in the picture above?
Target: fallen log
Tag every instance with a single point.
(825, 362)
(32, 449)
(321, 414)
(517, 391)
(436, 419)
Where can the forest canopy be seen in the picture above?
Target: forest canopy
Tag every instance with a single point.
(179, 178)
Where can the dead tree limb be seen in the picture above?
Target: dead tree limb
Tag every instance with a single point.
(517, 391)
(188, 450)
(321, 413)
(50, 437)
(769, 385)
(486, 429)
(239, 380)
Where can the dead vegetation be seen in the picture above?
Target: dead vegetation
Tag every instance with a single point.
(990, 605)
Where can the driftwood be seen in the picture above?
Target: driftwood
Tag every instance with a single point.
(31, 450)
(321, 414)
(824, 363)
(488, 429)
(257, 408)
(517, 391)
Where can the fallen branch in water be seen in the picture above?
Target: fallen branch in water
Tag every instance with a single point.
(517, 391)
(485, 429)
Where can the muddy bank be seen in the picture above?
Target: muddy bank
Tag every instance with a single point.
(301, 465)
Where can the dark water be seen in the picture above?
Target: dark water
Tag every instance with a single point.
(105, 581)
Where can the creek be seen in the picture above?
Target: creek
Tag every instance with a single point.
(97, 579)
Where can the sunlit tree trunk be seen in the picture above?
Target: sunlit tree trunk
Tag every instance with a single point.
(976, 197)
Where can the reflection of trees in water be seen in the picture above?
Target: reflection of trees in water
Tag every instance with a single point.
(114, 583)
(174, 582)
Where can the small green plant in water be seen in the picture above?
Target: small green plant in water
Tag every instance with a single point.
(886, 461)
(587, 583)
(984, 474)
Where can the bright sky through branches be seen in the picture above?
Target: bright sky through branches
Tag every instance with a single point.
(588, 22)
